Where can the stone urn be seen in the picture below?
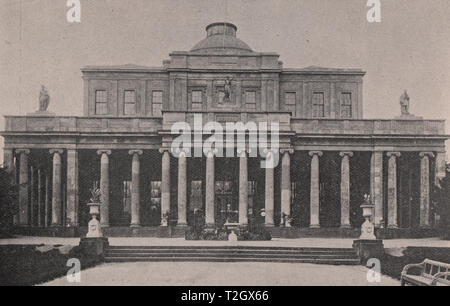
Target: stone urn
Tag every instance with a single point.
(94, 228)
(367, 228)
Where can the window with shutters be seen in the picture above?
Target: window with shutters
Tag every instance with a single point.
(290, 101)
(318, 104)
(129, 103)
(157, 102)
(346, 105)
(101, 102)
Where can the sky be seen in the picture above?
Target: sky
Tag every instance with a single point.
(409, 48)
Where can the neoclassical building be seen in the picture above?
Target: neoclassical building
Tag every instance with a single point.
(330, 156)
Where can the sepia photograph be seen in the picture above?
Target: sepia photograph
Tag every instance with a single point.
(224, 149)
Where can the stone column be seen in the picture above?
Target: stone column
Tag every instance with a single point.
(40, 203)
(182, 190)
(210, 190)
(23, 186)
(104, 187)
(47, 200)
(345, 189)
(376, 169)
(72, 188)
(425, 189)
(315, 191)
(286, 186)
(56, 188)
(135, 188)
(8, 160)
(165, 186)
(392, 189)
(269, 207)
(243, 189)
(32, 197)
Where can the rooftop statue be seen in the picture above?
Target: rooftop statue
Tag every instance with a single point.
(404, 103)
(44, 99)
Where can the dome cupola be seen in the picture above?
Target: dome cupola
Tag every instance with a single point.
(221, 37)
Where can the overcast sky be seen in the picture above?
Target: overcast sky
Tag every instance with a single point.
(409, 49)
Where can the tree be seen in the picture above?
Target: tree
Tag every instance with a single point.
(8, 199)
(441, 204)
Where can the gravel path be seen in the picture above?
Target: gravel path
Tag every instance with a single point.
(222, 274)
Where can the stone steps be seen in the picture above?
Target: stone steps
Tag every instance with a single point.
(329, 256)
(232, 248)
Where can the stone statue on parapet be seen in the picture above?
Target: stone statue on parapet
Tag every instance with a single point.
(404, 103)
(44, 99)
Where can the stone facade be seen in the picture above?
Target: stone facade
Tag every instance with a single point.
(330, 155)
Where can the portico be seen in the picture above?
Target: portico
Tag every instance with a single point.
(225, 189)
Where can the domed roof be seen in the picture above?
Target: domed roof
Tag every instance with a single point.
(221, 36)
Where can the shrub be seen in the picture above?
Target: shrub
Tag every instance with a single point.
(440, 204)
(256, 233)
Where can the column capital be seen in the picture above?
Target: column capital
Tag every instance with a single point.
(54, 151)
(138, 152)
(180, 152)
(211, 153)
(24, 151)
(287, 150)
(250, 151)
(163, 150)
(242, 153)
(393, 154)
(346, 153)
(426, 154)
(101, 152)
(313, 153)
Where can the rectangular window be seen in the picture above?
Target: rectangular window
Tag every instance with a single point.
(346, 105)
(250, 100)
(290, 101)
(129, 105)
(157, 101)
(318, 105)
(197, 100)
(101, 102)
